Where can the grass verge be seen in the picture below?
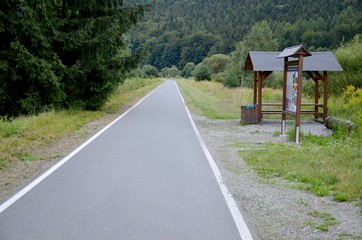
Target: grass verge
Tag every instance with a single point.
(212, 99)
(21, 137)
(324, 166)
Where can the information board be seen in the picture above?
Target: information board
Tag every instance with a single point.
(292, 91)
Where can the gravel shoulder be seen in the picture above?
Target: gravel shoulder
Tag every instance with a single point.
(272, 208)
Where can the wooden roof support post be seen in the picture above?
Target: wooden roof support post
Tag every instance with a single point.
(299, 97)
(260, 92)
(316, 98)
(284, 104)
(255, 87)
(325, 96)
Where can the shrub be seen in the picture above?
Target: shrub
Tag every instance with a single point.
(349, 56)
(232, 77)
(150, 71)
(202, 72)
(187, 70)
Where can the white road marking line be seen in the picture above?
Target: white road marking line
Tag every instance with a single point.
(235, 212)
(25, 190)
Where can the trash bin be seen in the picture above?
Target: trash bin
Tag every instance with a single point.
(249, 114)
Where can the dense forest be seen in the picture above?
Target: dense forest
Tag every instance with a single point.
(184, 31)
(63, 53)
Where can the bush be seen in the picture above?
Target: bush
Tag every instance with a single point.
(150, 71)
(170, 72)
(218, 77)
(232, 77)
(349, 56)
(202, 72)
(187, 70)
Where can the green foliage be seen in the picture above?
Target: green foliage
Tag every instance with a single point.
(323, 166)
(202, 72)
(170, 72)
(62, 53)
(150, 71)
(260, 38)
(325, 220)
(166, 34)
(188, 69)
(217, 63)
(232, 77)
(213, 100)
(348, 106)
(349, 56)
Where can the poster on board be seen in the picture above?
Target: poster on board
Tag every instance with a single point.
(291, 91)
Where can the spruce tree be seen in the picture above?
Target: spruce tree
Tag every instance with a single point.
(63, 53)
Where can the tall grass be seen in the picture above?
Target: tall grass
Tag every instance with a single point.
(211, 99)
(20, 138)
(215, 101)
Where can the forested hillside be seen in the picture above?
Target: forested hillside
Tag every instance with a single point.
(183, 31)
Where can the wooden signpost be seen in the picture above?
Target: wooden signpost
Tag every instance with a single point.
(292, 86)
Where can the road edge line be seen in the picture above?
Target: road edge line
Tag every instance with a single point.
(235, 212)
(43, 176)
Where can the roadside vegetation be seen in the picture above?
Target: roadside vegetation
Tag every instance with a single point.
(322, 165)
(22, 136)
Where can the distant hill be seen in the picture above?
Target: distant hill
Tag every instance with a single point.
(176, 32)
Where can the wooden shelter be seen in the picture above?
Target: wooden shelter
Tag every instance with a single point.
(316, 66)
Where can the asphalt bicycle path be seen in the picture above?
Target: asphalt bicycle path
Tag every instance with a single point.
(147, 175)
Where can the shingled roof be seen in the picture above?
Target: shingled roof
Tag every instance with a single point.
(269, 61)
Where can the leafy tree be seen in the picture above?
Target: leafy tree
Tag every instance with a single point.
(217, 63)
(227, 23)
(196, 47)
(202, 72)
(187, 70)
(170, 72)
(150, 71)
(349, 56)
(260, 38)
(232, 77)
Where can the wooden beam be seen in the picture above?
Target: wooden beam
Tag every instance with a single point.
(255, 87)
(265, 75)
(312, 76)
(299, 97)
(260, 91)
(318, 75)
(316, 98)
(284, 103)
(325, 95)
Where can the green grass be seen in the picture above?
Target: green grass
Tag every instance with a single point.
(217, 102)
(20, 138)
(212, 100)
(322, 221)
(321, 165)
